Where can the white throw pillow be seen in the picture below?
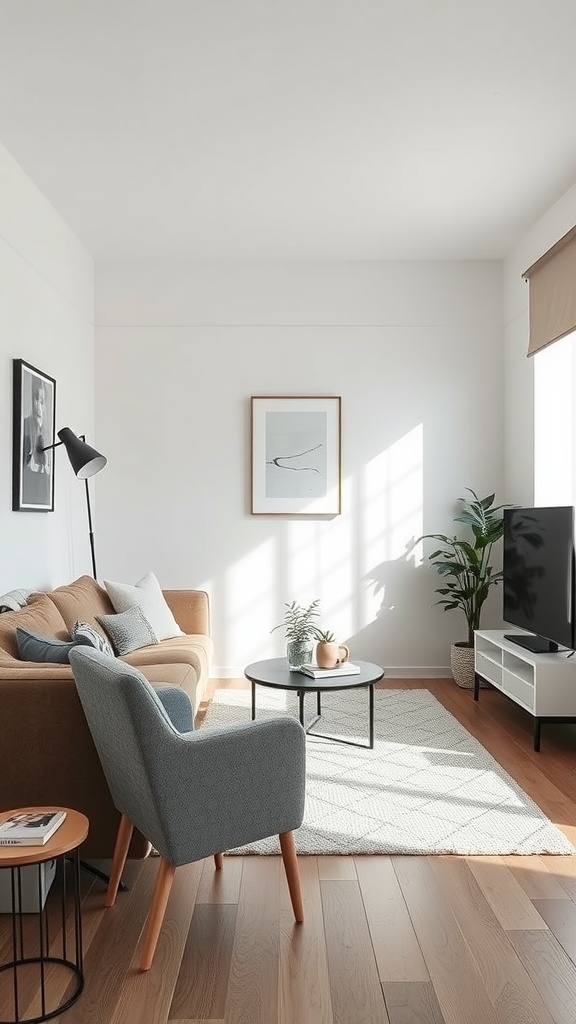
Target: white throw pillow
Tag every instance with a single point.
(147, 595)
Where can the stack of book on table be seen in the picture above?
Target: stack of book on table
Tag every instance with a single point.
(346, 668)
(30, 828)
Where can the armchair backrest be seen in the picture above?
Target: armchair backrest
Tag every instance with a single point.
(129, 727)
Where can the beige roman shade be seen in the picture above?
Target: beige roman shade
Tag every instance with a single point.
(552, 284)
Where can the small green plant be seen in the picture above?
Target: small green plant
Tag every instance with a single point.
(465, 564)
(298, 621)
(324, 636)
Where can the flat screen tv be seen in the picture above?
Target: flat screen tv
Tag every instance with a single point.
(538, 577)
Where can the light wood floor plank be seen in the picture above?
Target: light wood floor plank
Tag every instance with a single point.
(203, 978)
(337, 868)
(253, 993)
(156, 986)
(412, 1003)
(354, 984)
(510, 903)
(533, 875)
(551, 970)
(461, 995)
(220, 886)
(560, 916)
(398, 954)
(563, 870)
(504, 979)
(304, 987)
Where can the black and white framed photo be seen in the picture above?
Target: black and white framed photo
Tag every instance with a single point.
(33, 429)
(296, 455)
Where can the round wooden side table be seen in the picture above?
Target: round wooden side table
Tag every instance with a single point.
(53, 943)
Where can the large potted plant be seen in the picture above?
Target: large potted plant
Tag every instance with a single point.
(465, 565)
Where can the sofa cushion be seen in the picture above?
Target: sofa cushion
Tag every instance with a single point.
(129, 630)
(86, 634)
(83, 599)
(147, 595)
(40, 615)
(33, 647)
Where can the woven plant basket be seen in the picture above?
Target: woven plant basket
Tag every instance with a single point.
(462, 665)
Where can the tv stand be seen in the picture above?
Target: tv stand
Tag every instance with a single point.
(532, 642)
(544, 684)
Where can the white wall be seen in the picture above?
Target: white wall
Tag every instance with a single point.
(46, 318)
(519, 437)
(415, 351)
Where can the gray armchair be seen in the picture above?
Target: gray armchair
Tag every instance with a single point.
(192, 794)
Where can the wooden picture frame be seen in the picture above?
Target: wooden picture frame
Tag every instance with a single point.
(296, 455)
(34, 427)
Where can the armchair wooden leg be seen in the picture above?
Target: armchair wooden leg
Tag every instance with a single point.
(123, 837)
(288, 848)
(219, 861)
(164, 879)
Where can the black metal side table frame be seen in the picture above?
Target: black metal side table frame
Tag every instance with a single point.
(46, 965)
(39, 951)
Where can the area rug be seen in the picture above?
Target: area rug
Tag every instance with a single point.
(427, 787)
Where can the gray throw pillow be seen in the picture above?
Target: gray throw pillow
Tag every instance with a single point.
(148, 596)
(32, 647)
(84, 633)
(128, 630)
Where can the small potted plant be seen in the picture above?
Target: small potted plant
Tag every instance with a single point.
(465, 567)
(329, 652)
(300, 632)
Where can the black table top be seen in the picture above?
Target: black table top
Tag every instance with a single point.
(274, 672)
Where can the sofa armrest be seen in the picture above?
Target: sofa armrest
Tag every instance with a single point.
(191, 609)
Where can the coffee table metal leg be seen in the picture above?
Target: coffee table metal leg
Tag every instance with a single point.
(253, 699)
(371, 689)
(318, 707)
(301, 706)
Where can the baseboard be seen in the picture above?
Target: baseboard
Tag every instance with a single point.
(392, 672)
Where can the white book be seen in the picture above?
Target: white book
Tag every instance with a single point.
(347, 668)
(28, 828)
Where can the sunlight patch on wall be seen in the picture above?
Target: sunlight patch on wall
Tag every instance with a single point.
(320, 565)
(250, 600)
(391, 512)
(555, 423)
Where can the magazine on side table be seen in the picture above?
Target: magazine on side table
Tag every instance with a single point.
(30, 828)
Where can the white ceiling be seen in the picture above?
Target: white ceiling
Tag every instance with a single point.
(292, 129)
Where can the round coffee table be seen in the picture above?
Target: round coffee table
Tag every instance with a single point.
(274, 673)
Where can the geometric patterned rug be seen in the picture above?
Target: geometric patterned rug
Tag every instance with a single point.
(427, 787)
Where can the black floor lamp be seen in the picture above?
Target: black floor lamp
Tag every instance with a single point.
(85, 462)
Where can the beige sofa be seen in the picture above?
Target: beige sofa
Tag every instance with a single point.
(46, 751)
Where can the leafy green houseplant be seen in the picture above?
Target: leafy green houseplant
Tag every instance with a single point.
(299, 631)
(465, 564)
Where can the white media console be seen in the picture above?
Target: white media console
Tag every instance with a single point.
(542, 684)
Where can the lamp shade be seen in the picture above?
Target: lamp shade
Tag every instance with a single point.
(84, 459)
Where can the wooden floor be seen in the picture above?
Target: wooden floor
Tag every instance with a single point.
(405, 940)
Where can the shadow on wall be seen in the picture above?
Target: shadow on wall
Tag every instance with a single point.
(400, 584)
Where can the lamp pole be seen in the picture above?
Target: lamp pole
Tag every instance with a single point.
(85, 462)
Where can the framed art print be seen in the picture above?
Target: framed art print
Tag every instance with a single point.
(34, 424)
(296, 455)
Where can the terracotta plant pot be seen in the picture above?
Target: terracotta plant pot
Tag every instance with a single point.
(329, 655)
